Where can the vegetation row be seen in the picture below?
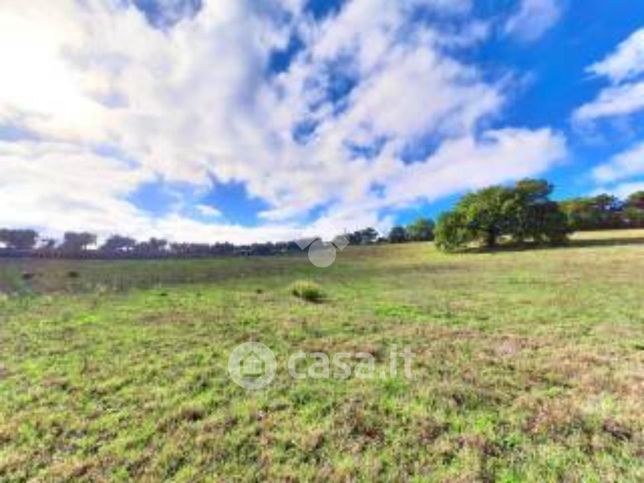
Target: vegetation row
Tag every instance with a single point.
(523, 213)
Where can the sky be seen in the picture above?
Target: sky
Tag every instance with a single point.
(268, 120)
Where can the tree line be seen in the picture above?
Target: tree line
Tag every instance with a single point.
(520, 213)
(524, 213)
(27, 243)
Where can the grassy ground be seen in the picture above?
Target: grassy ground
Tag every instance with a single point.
(528, 367)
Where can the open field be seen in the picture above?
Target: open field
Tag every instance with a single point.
(528, 366)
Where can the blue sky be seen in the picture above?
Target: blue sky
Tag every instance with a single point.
(246, 120)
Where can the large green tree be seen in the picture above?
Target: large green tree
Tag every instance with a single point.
(523, 212)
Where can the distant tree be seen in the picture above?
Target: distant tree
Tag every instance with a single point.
(368, 236)
(154, 246)
(18, 239)
(594, 213)
(178, 249)
(47, 244)
(354, 238)
(579, 213)
(226, 248)
(118, 244)
(398, 235)
(421, 230)
(634, 210)
(77, 241)
(636, 200)
(262, 249)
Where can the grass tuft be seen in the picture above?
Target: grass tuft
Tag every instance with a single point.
(309, 291)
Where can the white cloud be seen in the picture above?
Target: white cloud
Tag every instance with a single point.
(195, 101)
(612, 102)
(466, 163)
(533, 18)
(207, 210)
(622, 166)
(59, 186)
(626, 62)
(626, 96)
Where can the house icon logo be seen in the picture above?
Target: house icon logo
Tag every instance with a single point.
(252, 365)
(322, 254)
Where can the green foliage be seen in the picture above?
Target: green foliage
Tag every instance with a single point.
(451, 232)
(307, 290)
(634, 210)
(534, 216)
(77, 242)
(523, 213)
(634, 216)
(398, 235)
(595, 213)
(18, 239)
(636, 200)
(488, 213)
(118, 243)
(366, 236)
(421, 230)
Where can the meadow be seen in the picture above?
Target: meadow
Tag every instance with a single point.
(528, 366)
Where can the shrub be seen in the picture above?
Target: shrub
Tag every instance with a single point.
(309, 291)
(28, 275)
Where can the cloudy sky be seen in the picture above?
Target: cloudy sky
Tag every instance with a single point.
(254, 120)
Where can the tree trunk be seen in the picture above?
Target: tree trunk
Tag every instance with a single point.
(490, 240)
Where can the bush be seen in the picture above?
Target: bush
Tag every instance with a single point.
(28, 275)
(309, 291)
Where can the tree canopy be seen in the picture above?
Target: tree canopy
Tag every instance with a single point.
(397, 235)
(421, 230)
(523, 212)
(18, 239)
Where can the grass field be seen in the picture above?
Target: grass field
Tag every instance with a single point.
(528, 366)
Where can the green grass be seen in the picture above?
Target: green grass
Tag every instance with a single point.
(528, 367)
